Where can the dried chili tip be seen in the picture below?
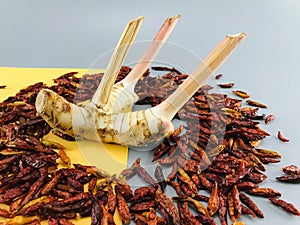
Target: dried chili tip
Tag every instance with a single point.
(269, 118)
(241, 94)
(257, 104)
(280, 136)
(218, 76)
(228, 85)
(288, 207)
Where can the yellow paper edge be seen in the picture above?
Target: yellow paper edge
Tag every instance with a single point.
(110, 157)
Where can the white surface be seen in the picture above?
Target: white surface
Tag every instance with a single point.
(74, 33)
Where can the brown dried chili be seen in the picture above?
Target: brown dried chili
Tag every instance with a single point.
(292, 169)
(294, 178)
(256, 104)
(213, 202)
(288, 207)
(241, 94)
(248, 202)
(163, 200)
(281, 137)
(218, 76)
(123, 208)
(269, 118)
(228, 85)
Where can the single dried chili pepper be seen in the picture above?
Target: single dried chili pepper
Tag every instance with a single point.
(257, 161)
(246, 210)
(142, 206)
(231, 210)
(213, 202)
(222, 211)
(256, 176)
(294, 178)
(246, 185)
(111, 199)
(51, 184)
(158, 173)
(288, 207)
(257, 104)
(264, 192)
(269, 118)
(241, 94)
(123, 208)
(218, 76)
(292, 169)
(236, 202)
(168, 205)
(228, 85)
(96, 214)
(248, 202)
(280, 136)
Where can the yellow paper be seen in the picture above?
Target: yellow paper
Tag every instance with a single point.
(109, 157)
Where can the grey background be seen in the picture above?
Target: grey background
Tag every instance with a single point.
(74, 33)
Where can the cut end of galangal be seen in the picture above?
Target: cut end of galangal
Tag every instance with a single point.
(206, 69)
(41, 102)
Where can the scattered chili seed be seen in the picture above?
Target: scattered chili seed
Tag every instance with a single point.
(279, 135)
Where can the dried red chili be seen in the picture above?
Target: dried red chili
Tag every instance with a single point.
(229, 85)
(218, 76)
(123, 208)
(281, 137)
(213, 202)
(241, 94)
(257, 104)
(294, 178)
(269, 118)
(292, 169)
(290, 208)
(248, 202)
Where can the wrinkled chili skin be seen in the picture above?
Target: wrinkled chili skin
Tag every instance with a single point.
(294, 178)
(288, 207)
(248, 202)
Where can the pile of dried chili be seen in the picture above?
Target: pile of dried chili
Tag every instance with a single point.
(214, 159)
